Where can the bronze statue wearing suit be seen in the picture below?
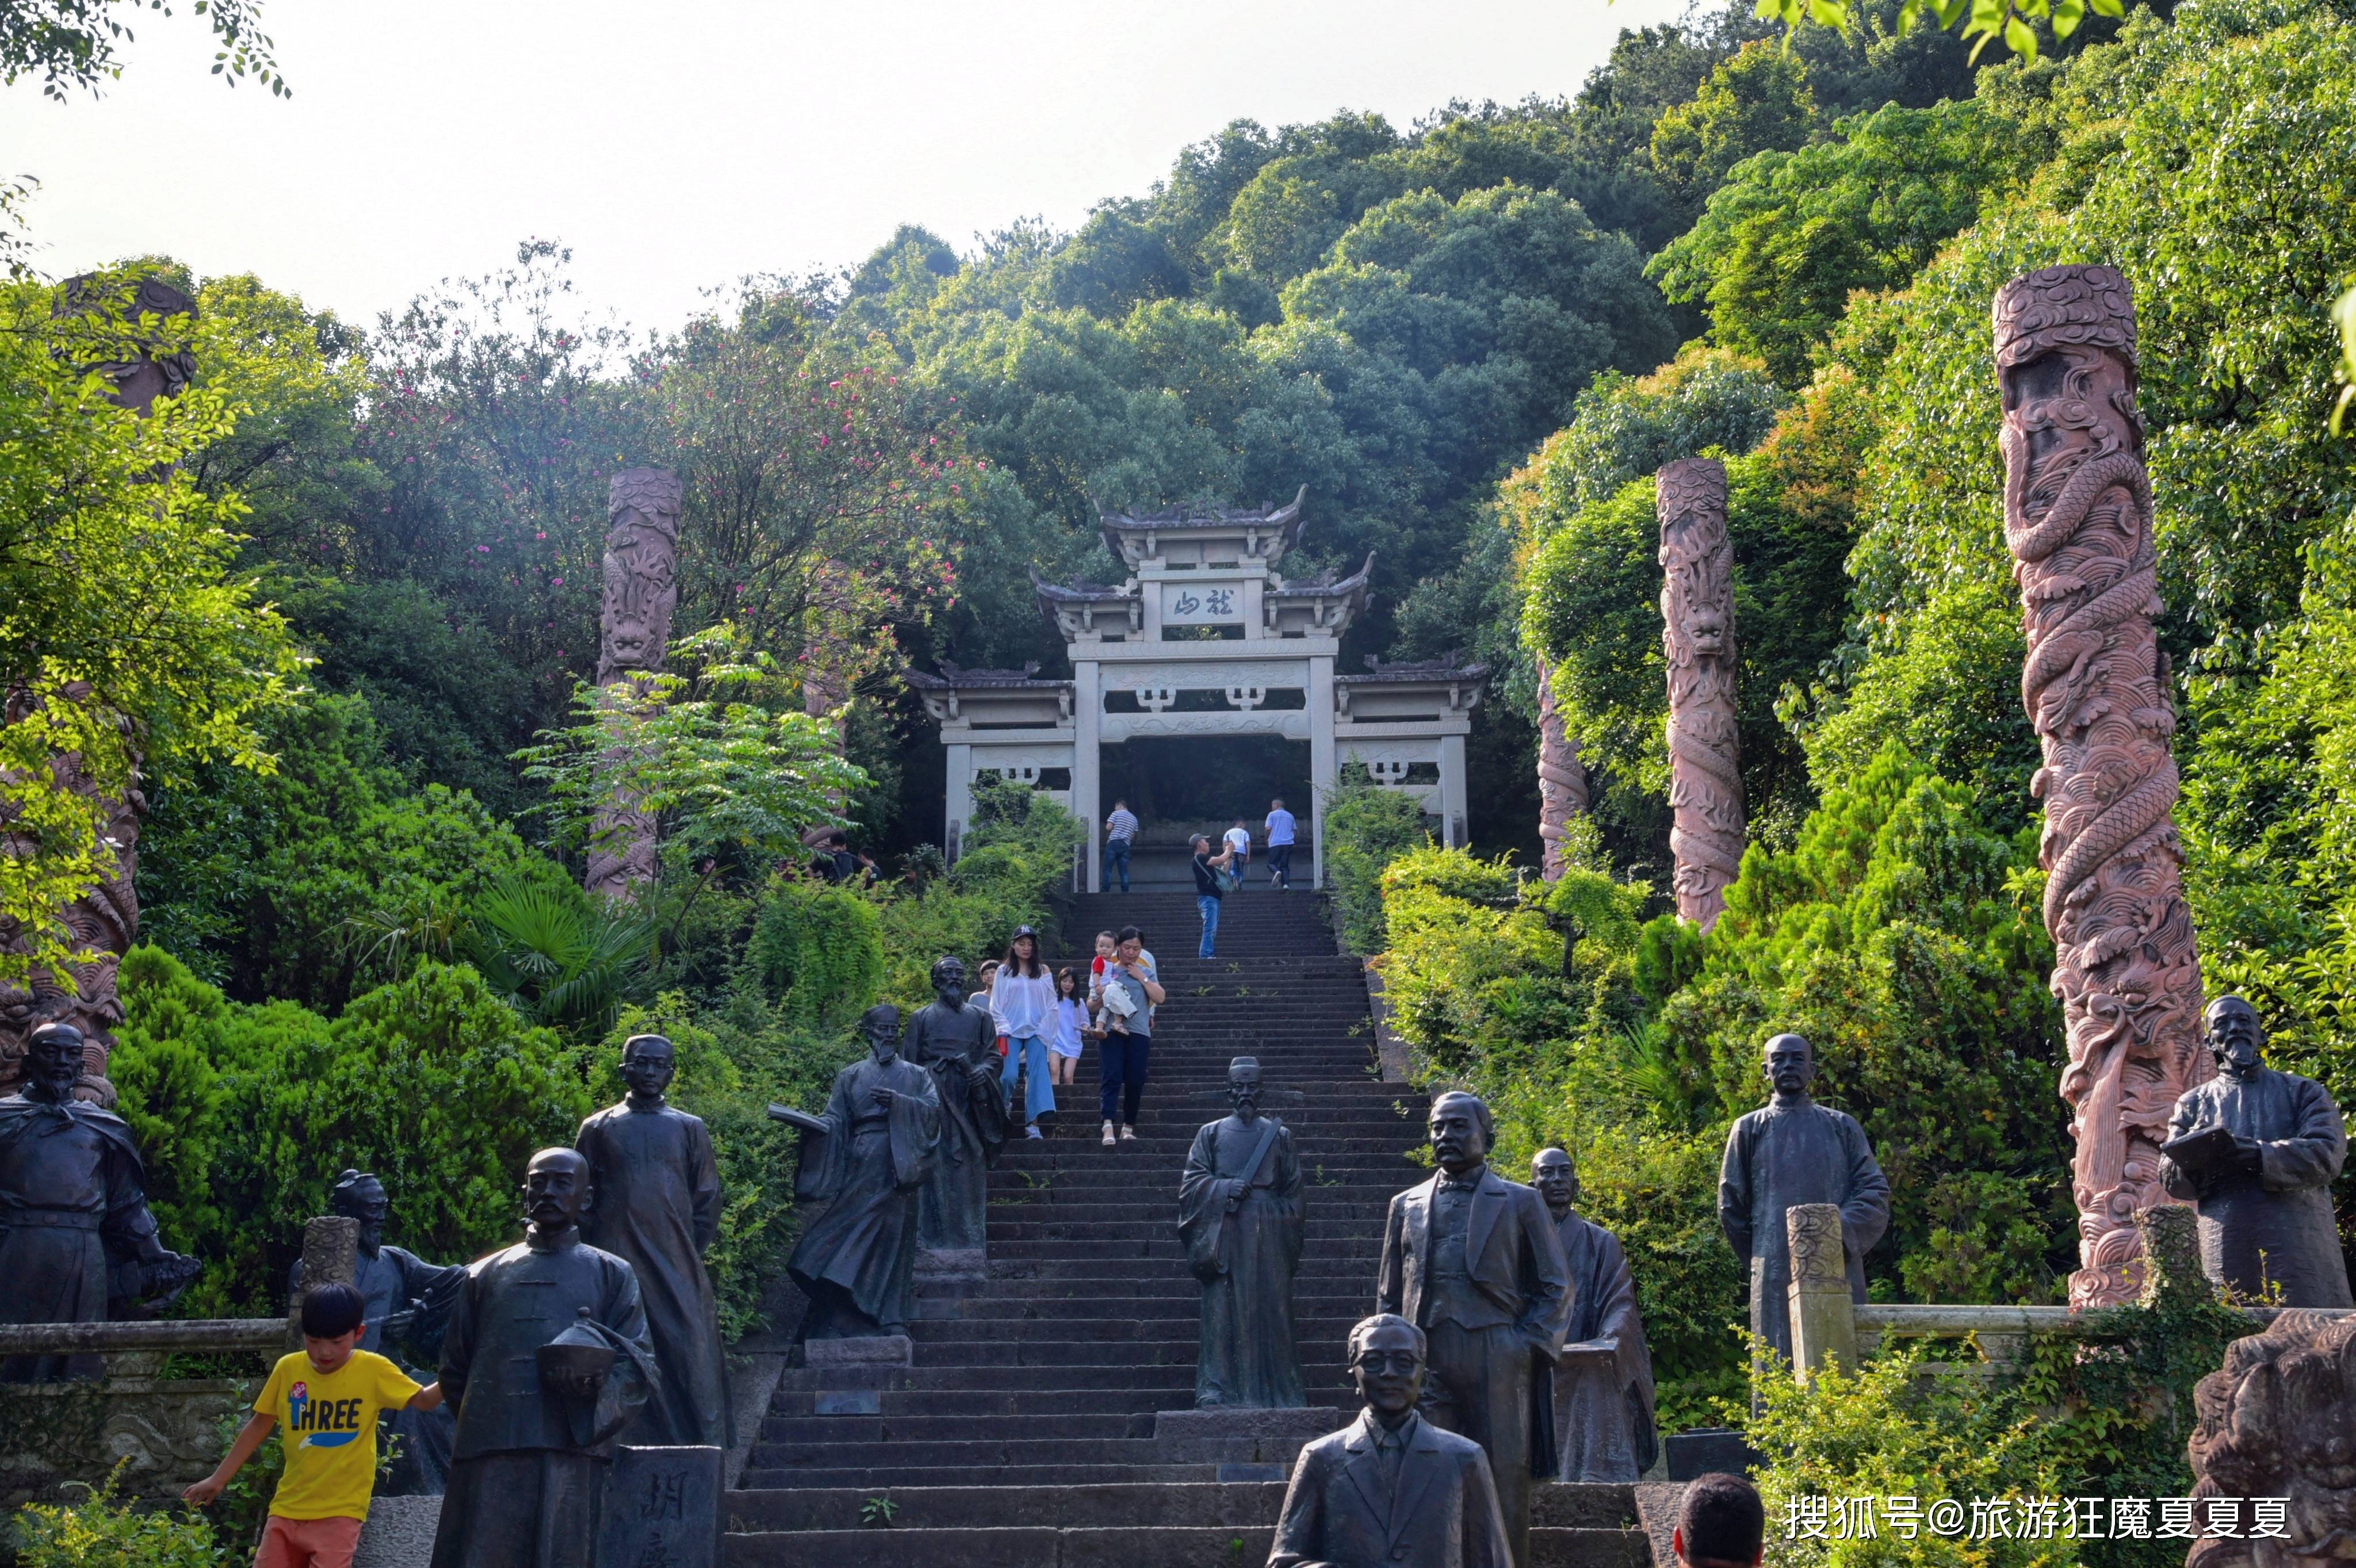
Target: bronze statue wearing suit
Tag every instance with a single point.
(1391, 1488)
(1473, 1260)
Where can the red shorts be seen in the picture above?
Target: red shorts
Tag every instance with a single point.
(307, 1543)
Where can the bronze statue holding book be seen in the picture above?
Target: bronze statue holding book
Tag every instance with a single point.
(2256, 1151)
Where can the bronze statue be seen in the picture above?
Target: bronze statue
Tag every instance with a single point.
(1697, 644)
(2077, 516)
(546, 1357)
(1603, 1383)
(2257, 1150)
(955, 1041)
(75, 1232)
(642, 508)
(1239, 1207)
(408, 1306)
(657, 1207)
(1472, 1260)
(857, 1262)
(1391, 1488)
(1796, 1151)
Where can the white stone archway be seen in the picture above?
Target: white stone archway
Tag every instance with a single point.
(1203, 636)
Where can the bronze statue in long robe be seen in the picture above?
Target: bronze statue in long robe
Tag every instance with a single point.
(1796, 1151)
(657, 1206)
(2267, 1223)
(954, 1040)
(529, 1470)
(857, 1262)
(1603, 1382)
(1239, 1207)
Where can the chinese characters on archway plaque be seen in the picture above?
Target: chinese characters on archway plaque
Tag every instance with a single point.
(1183, 604)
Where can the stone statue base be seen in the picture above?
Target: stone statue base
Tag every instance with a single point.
(1242, 1440)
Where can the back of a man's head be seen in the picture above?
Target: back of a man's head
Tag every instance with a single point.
(1721, 1523)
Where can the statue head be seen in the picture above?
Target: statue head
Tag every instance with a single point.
(641, 571)
(880, 1028)
(1791, 1063)
(555, 1190)
(2229, 1028)
(1387, 1357)
(949, 981)
(1243, 1087)
(52, 1062)
(1557, 1180)
(357, 1195)
(1462, 1132)
(649, 1062)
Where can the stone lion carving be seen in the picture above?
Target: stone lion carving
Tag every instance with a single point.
(2277, 1422)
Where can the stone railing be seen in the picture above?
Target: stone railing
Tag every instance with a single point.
(164, 1431)
(1827, 1326)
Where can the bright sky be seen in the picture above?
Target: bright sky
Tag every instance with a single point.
(678, 145)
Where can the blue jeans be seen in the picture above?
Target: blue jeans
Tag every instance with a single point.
(1116, 852)
(1210, 923)
(1123, 1083)
(1028, 1055)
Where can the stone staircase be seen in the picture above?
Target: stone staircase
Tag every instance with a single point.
(1024, 1434)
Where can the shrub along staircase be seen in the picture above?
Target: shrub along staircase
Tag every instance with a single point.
(1024, 1436)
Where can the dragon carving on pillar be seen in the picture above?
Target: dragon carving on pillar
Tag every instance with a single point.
(1562, 782)
(1697, 642)
(2078, 520)
(642, 511)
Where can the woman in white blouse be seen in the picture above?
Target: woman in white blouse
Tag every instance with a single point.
(1022, 1001)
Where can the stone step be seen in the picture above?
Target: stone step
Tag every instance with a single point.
(1555, 1505)
(1117, 1546)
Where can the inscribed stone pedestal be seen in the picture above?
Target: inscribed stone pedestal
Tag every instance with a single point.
(662, 1507)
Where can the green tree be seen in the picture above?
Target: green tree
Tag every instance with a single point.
(131, 643)
(1791, 235)
(1756, 101)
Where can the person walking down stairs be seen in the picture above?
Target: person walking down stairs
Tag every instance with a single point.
(1125, 1053)
(1022, 1001)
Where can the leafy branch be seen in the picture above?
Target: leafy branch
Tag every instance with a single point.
(2015, 21)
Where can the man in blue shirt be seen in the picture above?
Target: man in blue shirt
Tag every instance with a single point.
(1121, 830)
(1280, 827)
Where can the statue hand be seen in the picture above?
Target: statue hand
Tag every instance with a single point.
(885, 1097)
(2248, 1156)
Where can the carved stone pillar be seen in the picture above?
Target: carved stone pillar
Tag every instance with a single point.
(1824, 1316)
(331, 1250)
(103, 922)
(2077, 516)
(1697, 641)
(1562, 782)
(642, 511)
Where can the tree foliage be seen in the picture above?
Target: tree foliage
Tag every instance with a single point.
(132, 642)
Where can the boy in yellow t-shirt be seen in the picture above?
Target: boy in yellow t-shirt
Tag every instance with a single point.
(326, 1400)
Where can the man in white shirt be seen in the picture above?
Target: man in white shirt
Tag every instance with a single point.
(1280, 827)
(1120, 832)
